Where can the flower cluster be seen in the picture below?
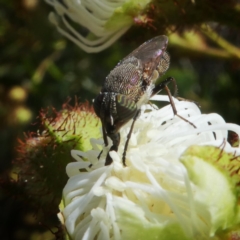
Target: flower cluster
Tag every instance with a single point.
(102, 21)
(165, 192)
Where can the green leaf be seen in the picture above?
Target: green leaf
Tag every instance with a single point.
(211, 170)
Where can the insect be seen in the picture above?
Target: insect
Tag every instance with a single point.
(130, 85)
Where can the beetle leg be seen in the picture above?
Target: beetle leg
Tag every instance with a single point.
(128, 138)
(163, 85)
(104, 138)
(104, 134)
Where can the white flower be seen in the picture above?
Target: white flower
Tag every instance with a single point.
(106, 20)
(153, 197)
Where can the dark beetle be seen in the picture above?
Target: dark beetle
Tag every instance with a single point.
(130, 85)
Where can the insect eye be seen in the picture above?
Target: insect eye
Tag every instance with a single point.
(164, 63)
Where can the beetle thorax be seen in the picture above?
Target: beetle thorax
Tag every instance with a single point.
(126, 79)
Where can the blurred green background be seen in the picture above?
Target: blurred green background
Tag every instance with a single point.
(40, 68)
